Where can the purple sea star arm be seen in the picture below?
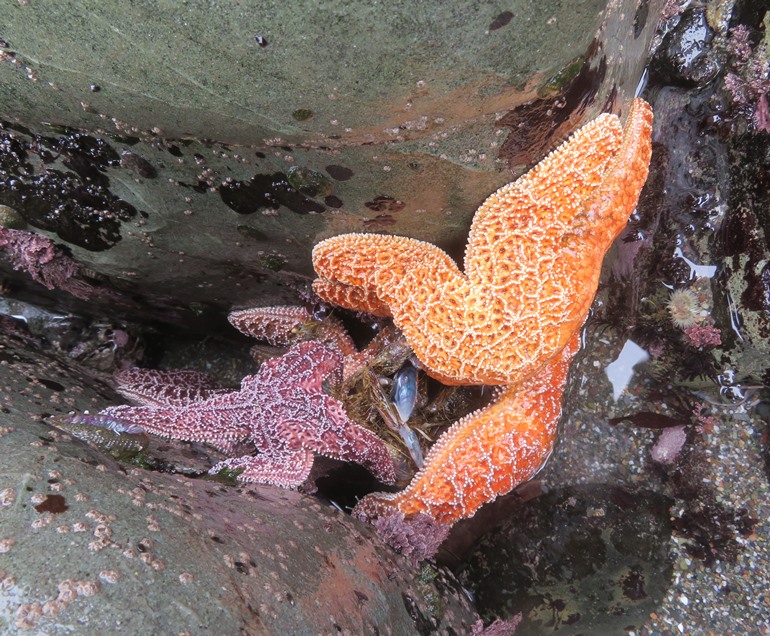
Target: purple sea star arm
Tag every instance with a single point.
(282, 325)
(209, 425)
(288, 468)
(277, 325)
(337, 436)
(152, 387)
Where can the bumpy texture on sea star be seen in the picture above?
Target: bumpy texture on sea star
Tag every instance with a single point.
(179, 387)
(282, 412)
(531, 265)
(281, 325)
(531, 271)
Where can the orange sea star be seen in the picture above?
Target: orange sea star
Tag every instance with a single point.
(531, 266)
(531, 271)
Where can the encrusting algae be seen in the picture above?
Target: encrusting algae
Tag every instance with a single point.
(513, 317)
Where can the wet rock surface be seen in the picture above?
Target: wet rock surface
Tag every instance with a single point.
(577, 560)
(177, 215)
(686, 55)
(205, 169)
(93, 546)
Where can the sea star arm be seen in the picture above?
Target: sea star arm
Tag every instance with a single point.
(274, 324)
(153, 387)
(536, 245)
(607, 211)
(416, 281)
(337, 436)
(365, 270)
(485, 454)
(281, 325)
(301, 371)
(602, 218)
(350, 297)
(288, 468)
(192, 423)
(533, 211)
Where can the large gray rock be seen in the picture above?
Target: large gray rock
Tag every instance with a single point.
(90, 546)
(196, 151)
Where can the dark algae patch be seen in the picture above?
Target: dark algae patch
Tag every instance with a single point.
(75, 203)
(588, 559)
(339, 173)
(52, 503)
(266, 191)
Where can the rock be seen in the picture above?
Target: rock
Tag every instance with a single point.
(686, 56)
(581, 559)
(199, 155)
(94, 547)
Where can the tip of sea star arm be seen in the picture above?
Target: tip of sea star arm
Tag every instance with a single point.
(288, 469)
(274, 324)
(637, 141)
(190, 424)
(282, 325)
(606, 214)
(371, 272)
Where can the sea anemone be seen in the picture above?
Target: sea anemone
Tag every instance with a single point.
(684, 308)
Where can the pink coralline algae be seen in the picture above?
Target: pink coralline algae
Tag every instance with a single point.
(498, 627)
(44, 261)
(739, 43)
(282, 413)
(703, 335)
(749, 81)
(704, 418)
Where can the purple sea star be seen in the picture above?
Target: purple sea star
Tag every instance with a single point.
(282, 412)
(282, 325)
